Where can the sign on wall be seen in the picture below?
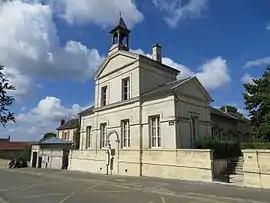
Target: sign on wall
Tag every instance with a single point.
(171, 123)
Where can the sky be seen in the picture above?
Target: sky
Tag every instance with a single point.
(52, 48)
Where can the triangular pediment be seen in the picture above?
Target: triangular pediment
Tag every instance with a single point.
(115, 62)
(192, 87)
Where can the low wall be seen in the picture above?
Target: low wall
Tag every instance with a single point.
(256, 168)
(87, 160)
(4, 163)
(184, 164)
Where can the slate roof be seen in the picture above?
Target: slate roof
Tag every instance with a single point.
(54, 140)
(238, 117)
(73, 123)
(165, 88)
(122, 25)
(87, 111)
(229, 115)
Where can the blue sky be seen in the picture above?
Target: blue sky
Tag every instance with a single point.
(53, 47)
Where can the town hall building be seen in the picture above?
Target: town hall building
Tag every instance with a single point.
(144, 122)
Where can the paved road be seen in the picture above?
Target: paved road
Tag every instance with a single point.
(54, 186)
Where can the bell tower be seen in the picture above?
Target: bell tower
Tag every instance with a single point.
(119, 36)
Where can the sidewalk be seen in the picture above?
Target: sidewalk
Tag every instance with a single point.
(158, 185)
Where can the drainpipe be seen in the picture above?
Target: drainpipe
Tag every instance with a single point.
(259, 168)
(141, 139)
(97, 132)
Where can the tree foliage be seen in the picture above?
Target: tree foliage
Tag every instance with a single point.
(26, 154)
(231, 109)
(5, 100)
(257, 102)
(49, 135)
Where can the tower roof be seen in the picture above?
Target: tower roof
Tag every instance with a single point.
(121, 26)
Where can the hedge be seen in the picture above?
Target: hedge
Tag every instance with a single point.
(221, 150)
(255, 145)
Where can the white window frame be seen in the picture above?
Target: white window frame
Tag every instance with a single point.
(88, 137)
(103, 130)
(104, 95)
(154, 131)
(127, 85)
(125, 133)
(194, 128)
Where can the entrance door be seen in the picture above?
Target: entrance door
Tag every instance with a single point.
(113, 140)
(34, 160)
(65, 159)
(39, 161)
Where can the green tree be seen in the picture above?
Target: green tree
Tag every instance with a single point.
(49, 135)
(5, 100)
(231, 109)
(26, 154)
(257, 102)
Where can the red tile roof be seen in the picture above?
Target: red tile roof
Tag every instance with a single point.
(13, 145)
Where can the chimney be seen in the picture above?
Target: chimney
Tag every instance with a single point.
(226, 109)
(156, 53)
(62, 122)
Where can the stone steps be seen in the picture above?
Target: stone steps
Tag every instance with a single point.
(236, 166)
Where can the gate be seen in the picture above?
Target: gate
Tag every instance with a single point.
(65, 159)
(34, 160)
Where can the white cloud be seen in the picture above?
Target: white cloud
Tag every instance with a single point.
(258, 62)
(30, 47)
(247, 78)
(213, 74)
(45, 117)
(267, 26)
(178, 10)
(100, 12)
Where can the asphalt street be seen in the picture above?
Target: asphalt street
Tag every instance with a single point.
(55, 186)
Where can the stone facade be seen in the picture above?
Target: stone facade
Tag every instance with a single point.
(141, 117)
(229, 126)
(67, 130)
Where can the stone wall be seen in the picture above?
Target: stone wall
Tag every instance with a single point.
(256, 168)
(184, 164)
(4, 163)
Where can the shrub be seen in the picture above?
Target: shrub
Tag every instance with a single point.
(255, 145)
(221, 150)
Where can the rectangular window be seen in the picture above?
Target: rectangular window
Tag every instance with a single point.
(194, 130)
(88, 137)
(104, 96)
(126, 89)
(65, 136)
(125, 133)
(74, 137)
(155, 136)
(213, 130)
(103, 135)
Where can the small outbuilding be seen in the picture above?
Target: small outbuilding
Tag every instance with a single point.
(50, 153)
